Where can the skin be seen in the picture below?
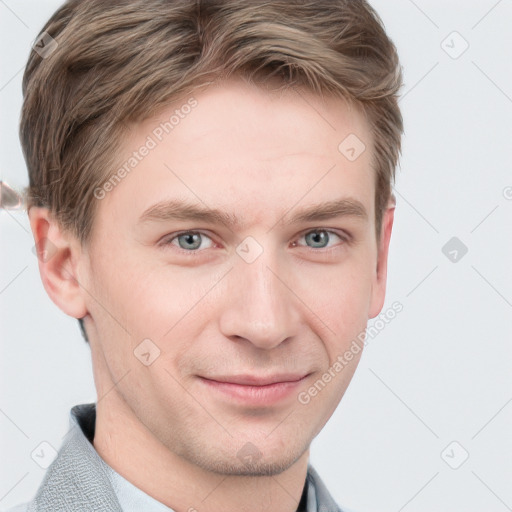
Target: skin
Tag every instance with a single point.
(260, 155)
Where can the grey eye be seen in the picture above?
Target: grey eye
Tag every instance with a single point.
(189, 240)
(319, 238)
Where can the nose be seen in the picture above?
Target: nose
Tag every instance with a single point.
(259, 306)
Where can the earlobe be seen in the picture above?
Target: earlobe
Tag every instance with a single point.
(57, 253)
(380, 276)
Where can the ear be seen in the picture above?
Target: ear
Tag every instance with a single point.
(58, 253)
(378, 294)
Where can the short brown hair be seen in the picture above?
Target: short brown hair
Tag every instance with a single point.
(121, 61)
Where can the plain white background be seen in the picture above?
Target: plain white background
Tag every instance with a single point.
(439, 373)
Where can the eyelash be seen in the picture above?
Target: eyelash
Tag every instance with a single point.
(345, 238)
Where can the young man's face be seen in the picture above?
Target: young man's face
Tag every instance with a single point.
(271, 297)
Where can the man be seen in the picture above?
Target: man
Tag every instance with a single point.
(210, 194)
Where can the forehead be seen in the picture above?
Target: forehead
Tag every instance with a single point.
(253, 115)
(235, 145)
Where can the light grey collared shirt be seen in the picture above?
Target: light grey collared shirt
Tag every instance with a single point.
(79, 479)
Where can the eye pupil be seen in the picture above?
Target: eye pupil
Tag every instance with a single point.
(189, 237)
(318, 237)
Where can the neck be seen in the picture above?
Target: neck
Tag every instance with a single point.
(127, 446)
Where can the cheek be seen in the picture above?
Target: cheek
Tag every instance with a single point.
(338, 294)
(122, 299)
(340, 301)
(166, 305)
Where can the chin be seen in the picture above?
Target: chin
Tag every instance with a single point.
(250, 468)
(249, 460)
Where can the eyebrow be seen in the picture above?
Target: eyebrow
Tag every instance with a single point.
(183, 210)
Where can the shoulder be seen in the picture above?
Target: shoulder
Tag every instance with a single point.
(78, 479)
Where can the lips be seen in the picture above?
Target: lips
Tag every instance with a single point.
(255, 391)
(253, 380)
